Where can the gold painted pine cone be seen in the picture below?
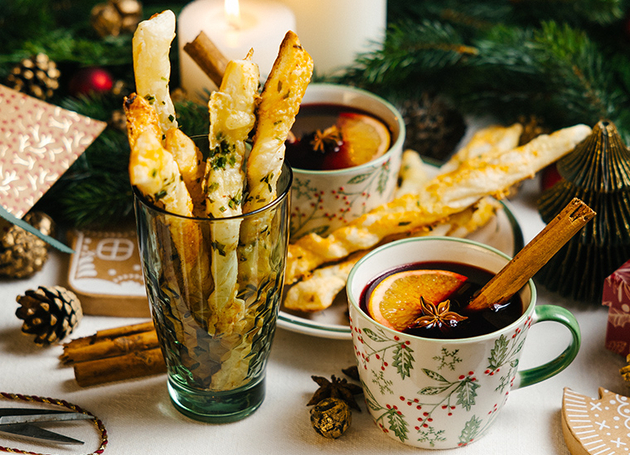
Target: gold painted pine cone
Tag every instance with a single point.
(50, 313)
(36, 76)
(21, 253)
(331, 417)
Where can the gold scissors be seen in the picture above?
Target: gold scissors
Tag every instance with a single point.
(24, 422)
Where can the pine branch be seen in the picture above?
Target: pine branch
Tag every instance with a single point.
(62, 45)
(410, 52)
(556, 73)
(576, 13)
(552, 71)
(481, 14)
(99, 199)
(23, 19)
(562, 61)
(576, 69)
(478, 14)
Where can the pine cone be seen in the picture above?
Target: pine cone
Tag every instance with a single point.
(433, 128)
(50, 312)
(21, 253)
(37, 76)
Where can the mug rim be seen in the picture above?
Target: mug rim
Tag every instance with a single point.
(286, 191)
(327, 87)
(352, 301)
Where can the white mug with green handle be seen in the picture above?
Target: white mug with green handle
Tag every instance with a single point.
(444, 393)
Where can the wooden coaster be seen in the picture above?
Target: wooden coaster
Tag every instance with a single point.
(596, 426)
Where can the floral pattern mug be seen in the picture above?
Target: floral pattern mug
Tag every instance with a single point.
(434, 393)
(322, 201)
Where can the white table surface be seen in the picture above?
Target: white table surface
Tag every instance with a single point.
(140, 419)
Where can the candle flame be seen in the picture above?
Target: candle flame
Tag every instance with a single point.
(232, 13)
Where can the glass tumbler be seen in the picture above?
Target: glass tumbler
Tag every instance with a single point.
(215, 286)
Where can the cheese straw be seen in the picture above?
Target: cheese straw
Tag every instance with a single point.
(215, 274)
(275, 114)
(231, 119)
(279, 104)
(151, 44)
(492, 173)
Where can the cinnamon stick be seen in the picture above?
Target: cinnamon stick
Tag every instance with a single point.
(209, 58)
(110, 347)
(533, 256)
(110, 334)
(124, 330)
(133, 365)
(115, 354)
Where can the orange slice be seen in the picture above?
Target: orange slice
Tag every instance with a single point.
(395, 301)
(364, 139)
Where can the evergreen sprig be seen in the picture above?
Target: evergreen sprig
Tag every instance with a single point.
(504, 65)
(485, 13)
(563, 62)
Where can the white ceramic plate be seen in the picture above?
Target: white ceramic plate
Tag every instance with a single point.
(502, 232)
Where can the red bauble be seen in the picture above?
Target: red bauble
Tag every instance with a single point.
(90, 79)
(549, 177)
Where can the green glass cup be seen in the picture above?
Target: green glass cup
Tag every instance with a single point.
(215, 286)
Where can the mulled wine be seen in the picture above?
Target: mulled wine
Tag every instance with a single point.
(331, 136)
(477, 322)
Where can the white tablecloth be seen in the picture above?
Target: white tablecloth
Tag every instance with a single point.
(140, 419)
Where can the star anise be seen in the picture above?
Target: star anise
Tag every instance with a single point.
(335, 388)
(329, 138)
(436, 315)
(352, 372)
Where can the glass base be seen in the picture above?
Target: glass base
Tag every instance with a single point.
(217, 407)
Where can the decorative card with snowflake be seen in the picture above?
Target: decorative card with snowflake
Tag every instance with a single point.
(105, 272)
(38, 143)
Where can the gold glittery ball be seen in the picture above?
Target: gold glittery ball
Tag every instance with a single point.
(331, 417)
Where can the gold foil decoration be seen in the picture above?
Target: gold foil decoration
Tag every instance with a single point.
(597, 172)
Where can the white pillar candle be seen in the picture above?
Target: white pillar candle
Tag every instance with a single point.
(333, 32)
(262, 25)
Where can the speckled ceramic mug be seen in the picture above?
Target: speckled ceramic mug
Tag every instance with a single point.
(322, 201)
(434, 393)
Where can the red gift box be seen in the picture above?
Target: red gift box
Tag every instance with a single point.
(616, 296)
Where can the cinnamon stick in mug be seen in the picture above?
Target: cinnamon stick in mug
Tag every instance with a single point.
(534, 256)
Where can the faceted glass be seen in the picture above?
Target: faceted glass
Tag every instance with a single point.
(215, 287)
